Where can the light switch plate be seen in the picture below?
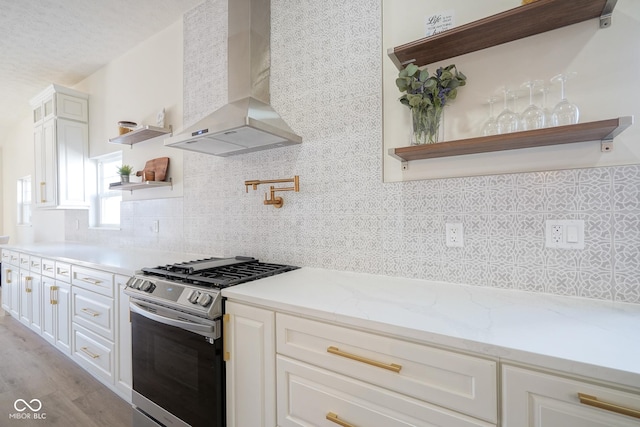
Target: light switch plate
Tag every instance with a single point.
(564, 234)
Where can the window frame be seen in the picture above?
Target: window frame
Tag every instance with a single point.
(24, 216)
(102, 193)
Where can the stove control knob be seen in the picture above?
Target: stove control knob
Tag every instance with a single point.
(204, 299)
(193, 296)
(146, 286)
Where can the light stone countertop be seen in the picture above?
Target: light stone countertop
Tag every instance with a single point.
(591, 338)
(585, 337)
(124, 261)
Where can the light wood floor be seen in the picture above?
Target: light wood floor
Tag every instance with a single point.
(30, 368)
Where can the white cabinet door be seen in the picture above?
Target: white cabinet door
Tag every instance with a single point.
(44, 138)
(35, 306)
(72, 138)
(63, 322)
(8, 284)
(49, 309)
(14, 284)
(123, 337)
(251, 371)
(535, 399)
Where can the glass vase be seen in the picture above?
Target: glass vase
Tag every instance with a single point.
(427, 125)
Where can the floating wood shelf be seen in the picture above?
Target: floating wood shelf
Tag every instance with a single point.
(141, 185)
(603, 130)
(141, 134)
(513, 24)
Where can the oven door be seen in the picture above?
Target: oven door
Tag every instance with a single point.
(178, 375)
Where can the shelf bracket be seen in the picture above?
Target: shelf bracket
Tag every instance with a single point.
(404, 165)
(606, 145)
(607, 11)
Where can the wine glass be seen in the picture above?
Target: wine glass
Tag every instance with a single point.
(533, 116)
(564, 113)
(548, 115)
(508, 119)
(490, 127)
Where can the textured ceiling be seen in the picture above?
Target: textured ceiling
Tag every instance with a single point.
(64, 41)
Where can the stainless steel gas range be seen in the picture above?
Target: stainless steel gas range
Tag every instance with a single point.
(176, 315)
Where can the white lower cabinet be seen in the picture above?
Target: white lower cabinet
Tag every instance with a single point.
(249, 337)
(291, 371)
(31, 300)
(94, 353)
(459, 382)
(312, 396)
(82, 311)
(56, 319)
(123, 344)
(537, 399)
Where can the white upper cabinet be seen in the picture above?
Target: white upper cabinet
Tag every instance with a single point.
(61, 147)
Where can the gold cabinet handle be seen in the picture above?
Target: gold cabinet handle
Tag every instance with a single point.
(388, 366)
(42, 192)
(87, 352)
(90, 280)
(27, 284)
(7, 274)
(63, 272)
(90, 312)
(586, 399)
(52, 295)
(334, 419)
(225, 327)
(47, 268)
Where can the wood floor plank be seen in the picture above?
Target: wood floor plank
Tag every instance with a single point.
(31, 368)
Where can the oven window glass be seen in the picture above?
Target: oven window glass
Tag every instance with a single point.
(178, 370)
(167, 352)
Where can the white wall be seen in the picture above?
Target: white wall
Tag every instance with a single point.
(133, 87)
(602, 58)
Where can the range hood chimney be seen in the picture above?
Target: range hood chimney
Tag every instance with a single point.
(247, 123)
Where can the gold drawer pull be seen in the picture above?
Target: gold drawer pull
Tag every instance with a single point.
(52, 296)
(63, 272)
(388, 366)
(334, 419)
(90, 312)
(47, 268)
(226, 319)
(585, 399)
(90, 280)
(87, 352)
(43, 198)
(7, 274)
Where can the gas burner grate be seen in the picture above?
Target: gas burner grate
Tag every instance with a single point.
(223, 273)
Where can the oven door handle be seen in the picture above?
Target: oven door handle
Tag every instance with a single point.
(205, 330)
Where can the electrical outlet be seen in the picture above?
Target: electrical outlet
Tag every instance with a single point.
(454, 235)
(564, 234)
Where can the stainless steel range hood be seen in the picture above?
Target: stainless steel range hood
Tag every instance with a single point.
(247, 123)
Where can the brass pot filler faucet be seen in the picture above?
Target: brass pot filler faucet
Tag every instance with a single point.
(272, 199)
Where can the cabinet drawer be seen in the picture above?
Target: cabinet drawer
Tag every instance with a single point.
(93, 353)
(93, 280)
(6, 256)
(63, 272)
(13, 258)
(308, 395)
(95, 312)
(533, 398)
(35, 264)
(49, 267)
(24, 261)
(463, 383)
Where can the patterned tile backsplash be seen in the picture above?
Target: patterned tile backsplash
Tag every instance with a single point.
(344, 217)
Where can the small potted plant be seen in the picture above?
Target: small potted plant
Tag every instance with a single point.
(124, 171)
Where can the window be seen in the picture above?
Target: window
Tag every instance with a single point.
(107, 206)
(24, 200)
